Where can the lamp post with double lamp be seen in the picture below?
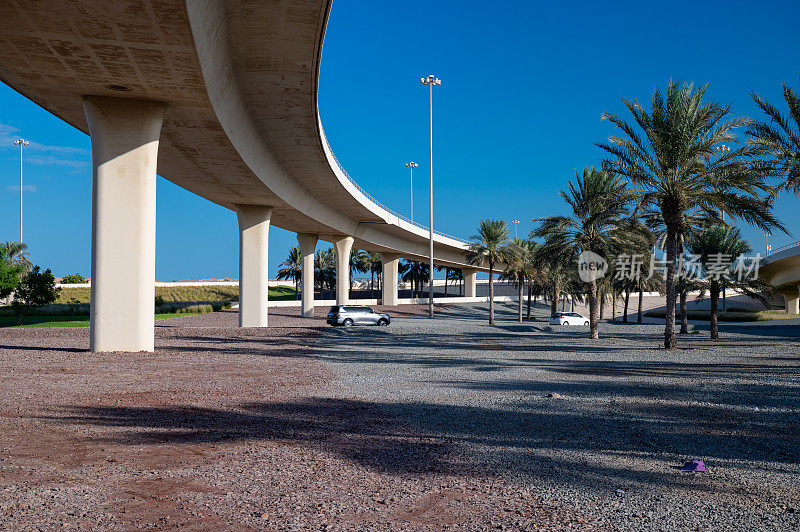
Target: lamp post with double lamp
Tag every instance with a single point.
(515, 222)
(411, 165)
(430, 81)
(20, 143)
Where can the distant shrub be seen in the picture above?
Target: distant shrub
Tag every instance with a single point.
(159, 301)
(37, 288)
(74, 278)
(9, 276)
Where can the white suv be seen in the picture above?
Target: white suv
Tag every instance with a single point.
(568, 318)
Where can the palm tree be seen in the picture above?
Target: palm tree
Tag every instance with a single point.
(711, 246)
(670, 159)
(779, 138)
(17, 253)
(457, 276)
(415, 272)
(516, 269)
(598, 224)
(489, 247)
(292, 268)
(359, 263)
(374, 266)
(325, 268)
(532, 272)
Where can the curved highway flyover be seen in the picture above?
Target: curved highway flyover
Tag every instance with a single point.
(223, 96)
(781, 269)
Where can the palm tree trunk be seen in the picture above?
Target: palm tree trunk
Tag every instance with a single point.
(714, 302)
(530, 289)
(601, 299)
(672, 252)
(684, 314)
(627, 300)
(491, 294)
(554, 302)
(639, 313)
(613, 307)
(519, 304)
(446, 275)
(593, 310)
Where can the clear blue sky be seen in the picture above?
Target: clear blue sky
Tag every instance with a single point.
(524, 84)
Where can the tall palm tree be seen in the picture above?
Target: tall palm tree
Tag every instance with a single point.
(17, 253)
(517, 268)
(668, 154)
(489, 247)
(779, 138)
(292, 268)
(598, 224)
(711, 245)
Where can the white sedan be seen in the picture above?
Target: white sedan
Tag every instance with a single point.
(568, 318)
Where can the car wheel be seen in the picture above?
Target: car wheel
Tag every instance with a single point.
(586, 323)
(383, 323)
(348, 322)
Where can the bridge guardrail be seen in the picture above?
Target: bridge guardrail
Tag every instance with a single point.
(782, 248)
(381, 205)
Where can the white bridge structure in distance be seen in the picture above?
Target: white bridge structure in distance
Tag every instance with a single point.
(220, 98)
(781, 269)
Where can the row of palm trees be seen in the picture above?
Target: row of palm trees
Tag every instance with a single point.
(416, 273)
(662, 181)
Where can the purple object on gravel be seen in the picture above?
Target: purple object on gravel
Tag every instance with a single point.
(694, 465)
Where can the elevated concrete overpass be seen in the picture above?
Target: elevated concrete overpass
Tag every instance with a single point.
(781, 269)
(221, 98)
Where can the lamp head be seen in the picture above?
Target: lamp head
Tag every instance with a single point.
(430, 80)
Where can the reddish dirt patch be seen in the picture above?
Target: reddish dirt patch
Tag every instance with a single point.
(222, 428)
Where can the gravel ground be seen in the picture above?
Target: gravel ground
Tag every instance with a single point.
(600, 427)
(230, 429)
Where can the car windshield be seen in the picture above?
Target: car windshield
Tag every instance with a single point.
(333, 309)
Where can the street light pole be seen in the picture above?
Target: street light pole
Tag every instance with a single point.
(722, 150)
(20, 143)
(515, 222)
(430, 81)
(411, 166)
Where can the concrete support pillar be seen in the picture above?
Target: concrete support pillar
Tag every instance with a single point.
(792, 300)
(470, 282)
(253, 276)
(343, 247)
(308, 243)
(124, 136)
(390, 263)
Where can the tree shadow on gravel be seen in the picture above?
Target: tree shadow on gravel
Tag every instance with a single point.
(540, 442)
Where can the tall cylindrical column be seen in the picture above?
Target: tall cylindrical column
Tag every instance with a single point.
(390, 263)
(470, 282)
(124, 135)
(308, 243)
(253, 274)
(792, 300)
(343, 247)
